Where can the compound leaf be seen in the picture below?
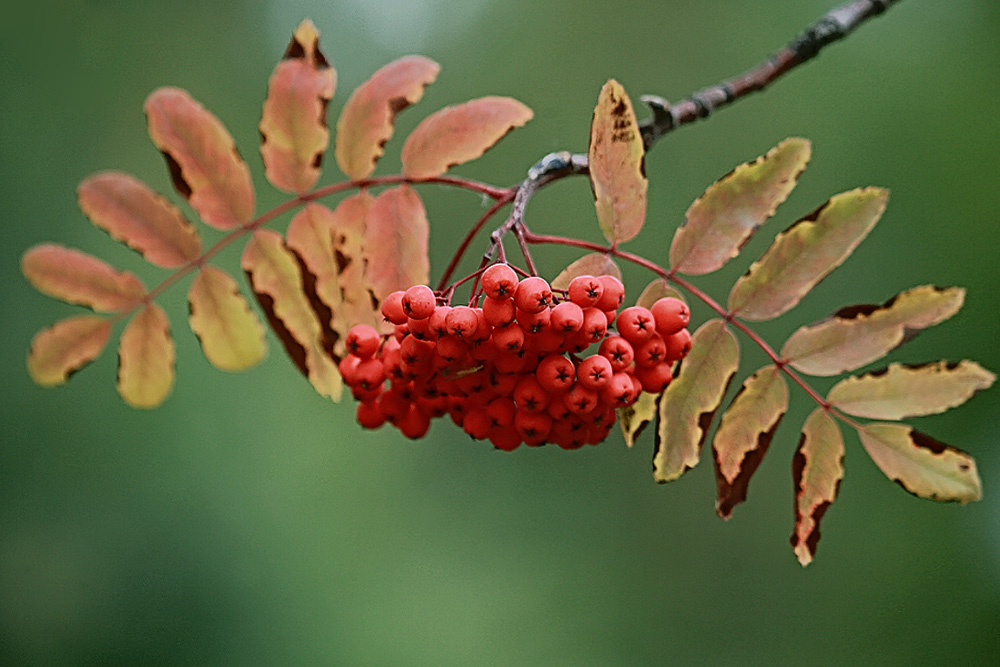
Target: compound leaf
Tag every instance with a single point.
(367, 121)
(460, 133)
(131, 212)
(634, 418)
(920, 464)
(65, 347)
(858, 335)
(690, 402)
(615, 159)
(293, 128)
(720, 222)
(274, 272)
(805, 253)
(745, 433)
(230, 334)
(902, 391)
(76, 277)
(594, 264)
(204, 164)
(817, 469)
(395, 242)
(146, 358)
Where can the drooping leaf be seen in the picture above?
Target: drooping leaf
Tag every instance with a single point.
(858, 335)
(230, 334)
(204, 164)
(395, 243)
(745, 433)
(128, 210)
(460, 133)
(690, 402)
(594, 264)
(805, 253)
(634, 418)
(656, 290)
(293, 128)
(65, 347)
(358, 305)
(76, 277)
(902, 391)
(920, 464)
(366, 122)
(817, 468)
(277, 281)
(146, 358)
(615, 159)
(720, 222)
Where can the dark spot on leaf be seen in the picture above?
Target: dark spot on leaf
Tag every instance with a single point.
(321, 61)
(799, 466)
(813, 540)
(926, 442)
(295, 350)
(343, 261)
(853, 312)
(397, 104)
(878, 372)
(324, 313)
(619, 109)
(176, 176)
(731, 495)
(294, 50)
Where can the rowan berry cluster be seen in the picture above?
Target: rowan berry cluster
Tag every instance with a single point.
(529, 365)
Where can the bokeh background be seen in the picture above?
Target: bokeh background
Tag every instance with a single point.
(248, 521)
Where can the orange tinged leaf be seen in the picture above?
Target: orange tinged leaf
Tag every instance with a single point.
(366, 122)
(204, 164)
(745, 433)
(720, 221)
(805, 253)
(617, 175)
(358, 305)
(79, 278)
(230, 334)
(460, 133)
(146, 358)
(293, 128)
(858, 335)
(817, 468)
(920, 464)
(395, 243)
(594, 264)
(902, 391)
(277, 281)
(128, 210)
(690, 402)
(67, 346)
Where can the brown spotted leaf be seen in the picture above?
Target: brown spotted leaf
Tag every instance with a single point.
(65, 347)
(920, 464)
(615, 157)
(128, 210)
(146, 358)
(634, 418)
(230, 334)
(902, 391)
(594, 264)
(367, 120)
(656, 290)
(277, 281)
(817, 468)
(720, 222)
(460, 133)
(78, 278)
(293, 128)
(204, 164)
(395, 242)
(805, 253)
(745, 433)
(690, 402)
(858, 335)
(358, 303)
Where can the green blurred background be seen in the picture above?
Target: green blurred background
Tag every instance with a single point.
(248, 521)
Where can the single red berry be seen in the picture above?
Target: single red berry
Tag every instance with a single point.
(671, 315)
(498, 313)
(595, 326)
(651, 351)
(362, 340)
(533, 295)
(580, 400)
(451, 349)
(392, 308)
(477, 424)
(620, 392)
(503, 383)
(654, 379)
(369, 374)
(534, 322)
(614, 293)
(508, 339)
(567, 318)
(585, 291)
(509, 363)
(419, 302)
(505, 439)
(532, 426)
(394, 405)
(415, 423)
(501, 411)
(420, 328)
(499, 282)
(369, 414)
(678, 345)
(618, 351)
(636, 324)
(462, 322)
(555, 373)
(437, 322)
(594, 372)
(529, 395)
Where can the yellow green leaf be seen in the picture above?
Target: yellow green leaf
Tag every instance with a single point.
(634, 418)
(293, 128)
(817, 468)
(656, 290)
(720, 221)
(146, 358)
(76, 277)
(902, 391)
(920, 464)
(690, 402)
(230, 334)
(858, 335)
(395, 243)
(745, 433)
(65, 347)
(616, 170)
(594, 264)
(805, 253)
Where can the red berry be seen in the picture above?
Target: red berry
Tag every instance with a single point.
(529, 395)
(556, 373)
(501, 411)
(498, 313)
(594, 372)
(499, 282)
(580, 400)
(462, 322)
(506, 439)
(370, 374)
(419, 302)
(595, 326)
(348, 367)
(651, 352)
(585, 291)
(614, 293)
(671, 315)
(533, 295)
(362, 340)
(508, 339)
(618, 351)
(567, 318)
(534, 322)
(678, 345)
(477, 424)
(437, 322)
(654, 379)
(620, 392)
(636, 324)
(369, 414)
(392, 308)
(532, 426)
(415, 423)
